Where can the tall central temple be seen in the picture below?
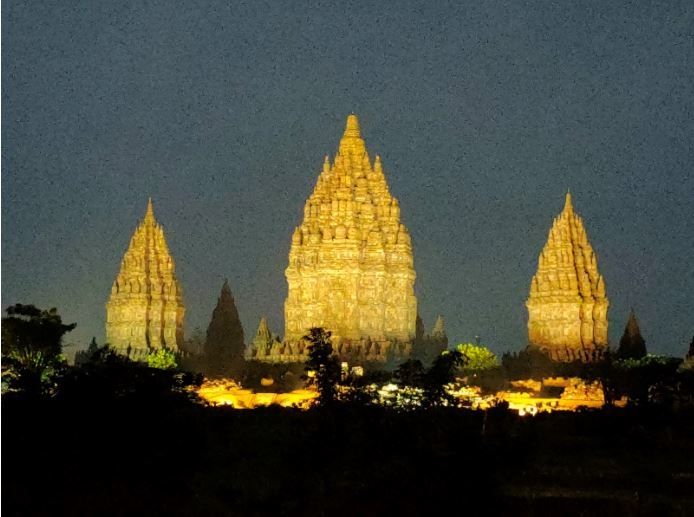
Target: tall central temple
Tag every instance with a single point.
(351, 269)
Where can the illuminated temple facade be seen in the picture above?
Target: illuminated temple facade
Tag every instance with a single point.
(567, 306)
(145, 310)
(351, 268)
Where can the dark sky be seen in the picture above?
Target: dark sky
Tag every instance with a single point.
(484, 114)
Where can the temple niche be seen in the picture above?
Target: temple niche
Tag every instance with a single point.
(351, 268)
(145, 310)
(567, 306)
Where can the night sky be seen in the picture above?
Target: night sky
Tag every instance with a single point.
(484, 114)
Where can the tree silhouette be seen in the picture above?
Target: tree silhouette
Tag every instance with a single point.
(607, 373)
(32, 348)
(441, 373)
(322, 366)
(109, 376)
(410, 373)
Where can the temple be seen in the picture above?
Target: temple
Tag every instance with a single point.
(145, 310)
(351, 268)
(632, 344)
(567, 306)
(224, 343)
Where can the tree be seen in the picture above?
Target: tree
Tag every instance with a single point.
(195, 344)
(528, 363)
(322, 367)
(632, 345)
(162, 358)
(410, 373)
(32, 348)
(477, 357)
(108, 376)
(441, 373)
(607, 374)
(641, 377)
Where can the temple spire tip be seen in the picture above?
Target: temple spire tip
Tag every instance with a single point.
(149, 214)
(568, 205)
(352, 127)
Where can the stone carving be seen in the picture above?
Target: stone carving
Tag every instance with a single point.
(351, 268)
(145, 310)
(567, 306)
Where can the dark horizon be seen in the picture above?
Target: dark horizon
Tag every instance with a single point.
(484, 116)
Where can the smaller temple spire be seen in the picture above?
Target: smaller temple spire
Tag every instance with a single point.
(439, 329)
(263, 329)
(632, 344)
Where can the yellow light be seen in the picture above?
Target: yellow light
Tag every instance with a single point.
(226, 392)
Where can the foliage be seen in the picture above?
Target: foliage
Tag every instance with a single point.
(109, 376)
(322, 366)
(532, 363)
(607, 375)
(286, 376)
(195, 344)
(528, 363)
(477, 357)
(410, 373)
(441, 373)
(162, 358)
(32, 349)
(372, 376)
(638, 379)
(490, 380)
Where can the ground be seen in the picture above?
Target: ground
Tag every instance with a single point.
(182, 459)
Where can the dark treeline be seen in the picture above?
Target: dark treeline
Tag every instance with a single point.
(111, 436)
(133, 458)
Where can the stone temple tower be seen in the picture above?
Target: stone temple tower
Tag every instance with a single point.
(145, 310)
(567, 306)
(351, 269)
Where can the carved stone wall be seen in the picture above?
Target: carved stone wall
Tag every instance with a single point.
(350, 266)
(145, 309)
(567, 306)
